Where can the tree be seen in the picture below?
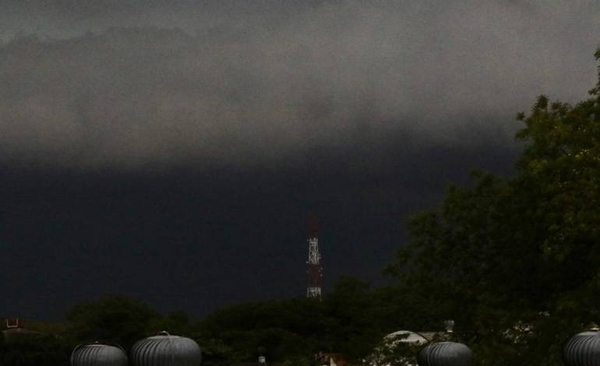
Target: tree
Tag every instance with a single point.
(113, 319)
(34, 349)
(351, 320)
(353, 331)
(286, 329)
(516, 261)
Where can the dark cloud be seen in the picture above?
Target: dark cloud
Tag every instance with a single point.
(158, 83)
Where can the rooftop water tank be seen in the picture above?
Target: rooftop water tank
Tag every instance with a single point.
(166, 350)
(98, 355)
(582, 349)
(445, 354)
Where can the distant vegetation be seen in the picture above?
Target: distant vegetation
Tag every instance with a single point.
(351, 320)
(514, 261)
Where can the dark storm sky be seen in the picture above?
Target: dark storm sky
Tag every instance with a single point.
(172, 150)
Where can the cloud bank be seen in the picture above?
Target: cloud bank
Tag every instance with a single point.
(128, 84)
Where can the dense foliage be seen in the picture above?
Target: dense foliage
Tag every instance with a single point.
(38, 350)
(351, 320)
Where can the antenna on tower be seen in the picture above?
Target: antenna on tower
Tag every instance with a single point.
(314, 269)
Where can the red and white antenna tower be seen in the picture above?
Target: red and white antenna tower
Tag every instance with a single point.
(315, 271)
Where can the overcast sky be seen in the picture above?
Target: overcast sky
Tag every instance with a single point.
(173, 149)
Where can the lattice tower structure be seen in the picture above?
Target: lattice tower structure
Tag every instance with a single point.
(314, 269)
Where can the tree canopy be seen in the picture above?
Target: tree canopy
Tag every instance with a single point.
(112, 319)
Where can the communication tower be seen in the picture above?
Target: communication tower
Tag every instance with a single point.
(314, 269)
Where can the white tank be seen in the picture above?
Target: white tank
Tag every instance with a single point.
(166, 350)
(582, 349)
(98, 355)
(445, 354)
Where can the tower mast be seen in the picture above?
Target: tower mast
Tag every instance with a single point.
(314, 269)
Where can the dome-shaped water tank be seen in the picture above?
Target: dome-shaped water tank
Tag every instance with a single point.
(583, 349)
(166, 350)
(98, 355)
(445, 354)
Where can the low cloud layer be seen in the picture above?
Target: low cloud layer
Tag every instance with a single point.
(107, 83)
